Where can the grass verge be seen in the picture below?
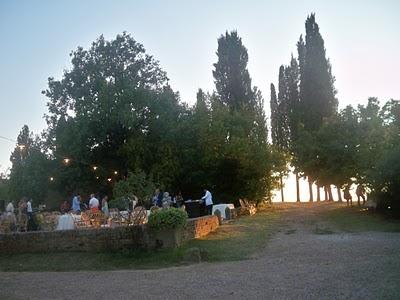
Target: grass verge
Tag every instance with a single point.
(360, 220)
(239, 239)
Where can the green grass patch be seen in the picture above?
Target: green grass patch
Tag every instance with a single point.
(359, 220)
(237, 240)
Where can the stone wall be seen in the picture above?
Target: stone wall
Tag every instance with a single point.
(102, 239)
(199, 227)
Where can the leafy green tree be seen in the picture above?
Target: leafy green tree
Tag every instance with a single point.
(338, 146)
(113, 110)
(380, 147)
(136, 184)
(4, 191)
(30, 168)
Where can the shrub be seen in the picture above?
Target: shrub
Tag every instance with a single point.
(120, 203)
(167, 219)
(136, 184)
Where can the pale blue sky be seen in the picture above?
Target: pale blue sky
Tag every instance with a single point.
(362, 40)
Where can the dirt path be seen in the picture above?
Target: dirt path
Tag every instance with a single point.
(296, 264)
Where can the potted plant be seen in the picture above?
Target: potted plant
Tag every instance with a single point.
(166, 226)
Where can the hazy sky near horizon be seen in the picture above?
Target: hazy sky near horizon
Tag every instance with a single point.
(362, 39)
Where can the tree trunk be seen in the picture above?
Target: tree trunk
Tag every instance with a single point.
(281, 182)
(310, 189)
(297, 187)
(318, 194)
(339, 192)
(330, 193)
(326, 193)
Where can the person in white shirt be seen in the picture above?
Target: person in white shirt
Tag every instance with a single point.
(94, 203)
(208, 201)
(31, 220)
(29, 207)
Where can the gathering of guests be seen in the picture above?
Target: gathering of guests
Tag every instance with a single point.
(23, 219)
(93, 205)
(165, 200)
(25, 212)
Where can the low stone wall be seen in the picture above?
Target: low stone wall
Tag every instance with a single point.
(102, 239)
(198, 227)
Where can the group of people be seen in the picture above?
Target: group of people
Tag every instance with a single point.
(23, 220)
(164, 200)
(360, 192)
(78, 205)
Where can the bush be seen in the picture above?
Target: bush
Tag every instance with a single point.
(120, 203)
(168, 219)
(136, 184)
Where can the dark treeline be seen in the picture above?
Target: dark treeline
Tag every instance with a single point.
(330, 147)
(113, 116)
(114, 121)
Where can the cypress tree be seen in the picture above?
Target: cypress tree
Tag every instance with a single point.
(231, 77)
(274, 116)
(317, 92)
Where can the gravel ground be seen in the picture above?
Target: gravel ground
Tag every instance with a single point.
(296, 264)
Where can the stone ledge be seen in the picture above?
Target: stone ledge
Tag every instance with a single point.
(102, 239)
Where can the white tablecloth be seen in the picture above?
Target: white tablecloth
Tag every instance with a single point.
(65, 222)
(221, 208)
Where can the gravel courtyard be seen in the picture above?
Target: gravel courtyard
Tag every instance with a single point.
(301, 261)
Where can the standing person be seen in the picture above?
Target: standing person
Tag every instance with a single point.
(347, 195)
(166, 200)
(94, 203)
(157, 198)
(31, 221)
(208, 201)
(22, 218)
(10, 215)
(104, 206)
(360, 194)
(76, 203)
(178, 199)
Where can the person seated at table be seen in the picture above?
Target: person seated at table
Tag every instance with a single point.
(104, 206)
(94, 203)
(64, 207)
(208, 201)
(76, 203)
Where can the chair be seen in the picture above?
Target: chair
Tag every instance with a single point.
(247, 208)
(79, 222)
(97, 219)
(5, 226)
(85, 218)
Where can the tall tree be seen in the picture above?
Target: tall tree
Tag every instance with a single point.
(114, 109)
(274, 116)
(238, 125)
(231, 77)
(30, 168)
(317, 102)
(317, 94)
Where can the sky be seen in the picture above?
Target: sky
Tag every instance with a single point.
(362, 39)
